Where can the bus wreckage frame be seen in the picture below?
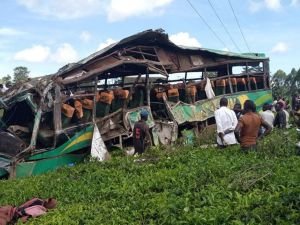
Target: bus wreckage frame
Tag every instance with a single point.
(48, 122)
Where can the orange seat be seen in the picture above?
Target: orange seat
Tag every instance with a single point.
(106, 97)
(104, 103)
(253, 84)
(260, 82)
(220, 86)
(173, 95)
(87, 104)
(173, 92)
(233, 81)
(220, 83)
(67, 110)
(191, 93)
(201, 94)
(233, 84)
(120, 93)
(241, 84)
(120, 99)
(78, 109)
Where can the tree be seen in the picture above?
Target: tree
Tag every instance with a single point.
(285, 85)
(6, 79)
(21, 74)
(291, 82)
(278, 83)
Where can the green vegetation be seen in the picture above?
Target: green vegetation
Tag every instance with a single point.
(285, 85)
(180, 185)
(20, 75)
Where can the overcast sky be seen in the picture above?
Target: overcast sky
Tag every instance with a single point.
(47, 34)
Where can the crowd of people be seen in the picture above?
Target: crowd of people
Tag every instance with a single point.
(245, 126)
(242, 125)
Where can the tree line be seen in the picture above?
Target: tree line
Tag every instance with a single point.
(285, 85)
(20, 74)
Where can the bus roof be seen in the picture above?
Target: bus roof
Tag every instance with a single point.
(157, 38)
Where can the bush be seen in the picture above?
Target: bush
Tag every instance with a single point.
(185, 185)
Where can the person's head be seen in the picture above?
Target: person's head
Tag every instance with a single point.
(223, 102)
(249, 106)
(279, 106)
(237, 107)
(266, 107)
(144, 115)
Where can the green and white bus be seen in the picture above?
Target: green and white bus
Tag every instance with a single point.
(48, 122)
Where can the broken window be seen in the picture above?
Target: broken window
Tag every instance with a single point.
(19, 120)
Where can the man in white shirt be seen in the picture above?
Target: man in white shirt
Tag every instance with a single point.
(287, 117)
(267, 115)
(226, 122)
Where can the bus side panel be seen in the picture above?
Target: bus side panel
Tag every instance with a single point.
(79, 141)
(202, 110)
(25, 169)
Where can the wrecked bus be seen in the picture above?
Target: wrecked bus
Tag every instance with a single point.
(48, 122)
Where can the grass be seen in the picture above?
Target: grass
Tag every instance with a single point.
(187, 185)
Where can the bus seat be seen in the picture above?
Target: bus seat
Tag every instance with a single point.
(137, 97)
(201, 94)
(87, 106)
(120, 97)
(104, 103)
(159, 95)
(252, 81)
(191, 93)
(220, 87)
(67, 112)
(78, 109)
(173, 94)
(233, 84)
(157, 103)
(260, 82)
(241, 84)
(181, 91)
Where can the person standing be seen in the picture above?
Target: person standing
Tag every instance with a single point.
(282, 100)
(267, 115)
(280, 118)
(226, 121)
(248, 127)
(237, 108)
(141, 134)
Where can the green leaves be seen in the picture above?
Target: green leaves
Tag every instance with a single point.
(183, 185)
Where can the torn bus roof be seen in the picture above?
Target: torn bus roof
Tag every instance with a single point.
(152, 50)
